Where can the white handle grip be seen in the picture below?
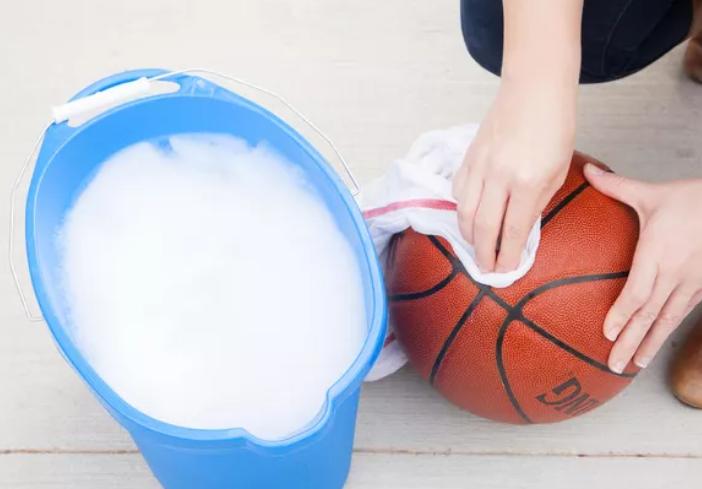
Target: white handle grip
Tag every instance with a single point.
(99, 100)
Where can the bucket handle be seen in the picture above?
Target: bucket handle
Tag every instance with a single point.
(124, 91)
(139, 87)
(11, 245)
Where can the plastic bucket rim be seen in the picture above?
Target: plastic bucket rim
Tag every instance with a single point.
(347, 383)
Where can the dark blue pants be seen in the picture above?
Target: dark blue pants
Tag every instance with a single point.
(619, 37)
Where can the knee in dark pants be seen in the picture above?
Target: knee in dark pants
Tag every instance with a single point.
(619, 37)
(482, 25)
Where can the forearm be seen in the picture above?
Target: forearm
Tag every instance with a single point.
(542, 41)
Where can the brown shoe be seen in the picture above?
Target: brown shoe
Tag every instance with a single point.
(693, 55)
(693, 59)
(686, 374)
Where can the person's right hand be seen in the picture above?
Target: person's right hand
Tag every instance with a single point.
(518, 160)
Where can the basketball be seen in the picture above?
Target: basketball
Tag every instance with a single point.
(533, 352)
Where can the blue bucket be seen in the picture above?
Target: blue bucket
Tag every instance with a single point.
(319, 455)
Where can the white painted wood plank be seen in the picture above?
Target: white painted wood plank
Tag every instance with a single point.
(106, 471)
(381, 471)
(490, 472)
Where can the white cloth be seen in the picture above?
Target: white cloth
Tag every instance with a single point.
(416, 192)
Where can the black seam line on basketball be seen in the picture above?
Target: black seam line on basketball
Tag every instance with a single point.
(577, 279)
(529, 295)
(392, 247)
(454, 333)
(563, 203)
(519, 310)
(486, 290)
(516, 314)
(442, 249)
(462, 270)
(564, 346)
(425, 293)
(511, 316)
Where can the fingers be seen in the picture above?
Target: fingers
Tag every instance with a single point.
(468, 192)
(487, 225)
(670, 317)
(635, 331)
(519, 219)
(616, 186)
(636, 292)
(459, 180)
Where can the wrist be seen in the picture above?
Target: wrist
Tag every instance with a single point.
(538, 103)
(555, 70)
(540, 92)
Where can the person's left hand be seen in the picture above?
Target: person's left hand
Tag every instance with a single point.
(665, 282)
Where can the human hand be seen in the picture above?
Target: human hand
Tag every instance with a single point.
(518, 160)
(665, 282)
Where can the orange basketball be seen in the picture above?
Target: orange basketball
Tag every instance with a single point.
(533, 352)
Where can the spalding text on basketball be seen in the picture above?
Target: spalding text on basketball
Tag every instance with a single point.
(568, 398)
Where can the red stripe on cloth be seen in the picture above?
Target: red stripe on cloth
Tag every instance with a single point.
(436, 204)
(389, 339)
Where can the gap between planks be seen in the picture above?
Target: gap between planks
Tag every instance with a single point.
(390, 451)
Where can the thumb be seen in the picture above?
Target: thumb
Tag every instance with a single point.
(616, 186)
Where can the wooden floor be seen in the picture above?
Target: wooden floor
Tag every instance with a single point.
(374, 75)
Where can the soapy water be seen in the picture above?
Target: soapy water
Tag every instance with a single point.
(208, 284)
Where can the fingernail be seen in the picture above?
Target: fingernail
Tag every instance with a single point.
(594, 169)
(642, 362)
(611, 334)
(617, 367)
